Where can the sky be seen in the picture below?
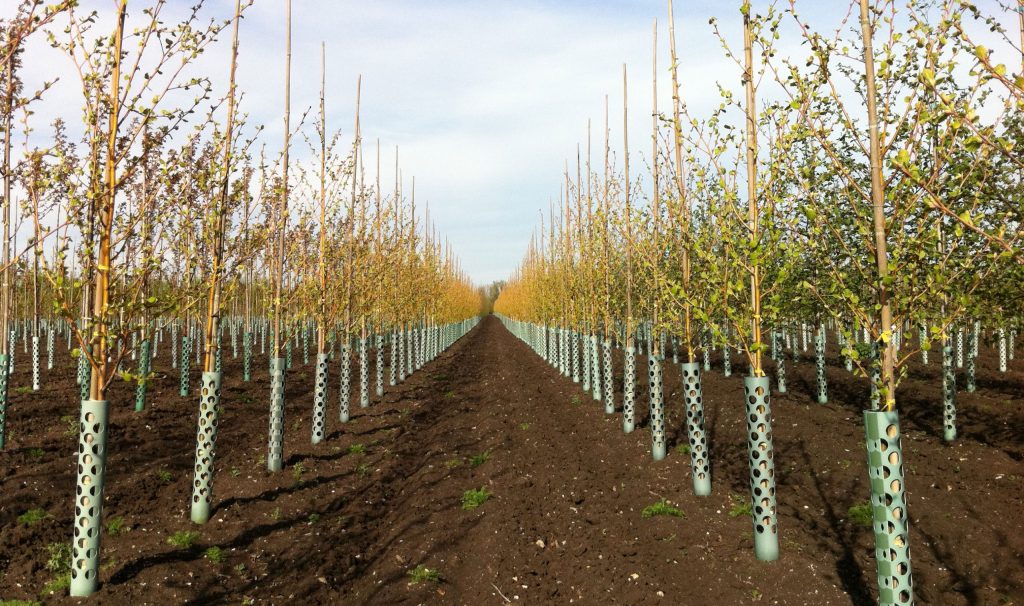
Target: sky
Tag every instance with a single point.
(485, 99)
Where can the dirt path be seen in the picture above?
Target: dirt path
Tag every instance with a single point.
(348, 519)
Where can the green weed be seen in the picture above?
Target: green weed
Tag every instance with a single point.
(661, 508)
(740, 507)
(861, 514)
(475, 497)
(183, 538)
(32, 516)
(422, 574)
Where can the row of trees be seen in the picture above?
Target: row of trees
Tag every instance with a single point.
(876, 191)
(167, 217)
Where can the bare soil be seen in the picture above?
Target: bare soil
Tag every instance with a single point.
(348, 519)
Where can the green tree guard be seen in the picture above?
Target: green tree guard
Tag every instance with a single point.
(1002, 350)
(762, 467)
(275, 454)
(4, 380)
(693, 399)
(174, 346)
(819, 356)
(948, 395)
(206, 445)
(629, 390)
(364, 375)
(657, 404)
(247, 356)
(401, 355)
(705, 345)
(320, 399)
(563, 345)
(574, 351)
(393, 369)
(380, 364)
(609, 393)
(92, 456)
(143, 370)
(186, 361)
(218, 359)
(49, 347)
(410, 351)
(305, 345)
(726, 361)
(288, 354)
(889, 507)
(959, 348)
(12, 341)
(595, 373)
(83, 376)
(35, 362)
(585, 342)
(346, 382)
(922, 336)
(780, 365)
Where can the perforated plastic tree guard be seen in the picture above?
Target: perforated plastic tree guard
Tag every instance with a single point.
(320, 399)
(629, 389)
(92, 457)
(609, 393)
(185, 366)
(888, 508)
(275, 455)
(206, 442)
(948, 395)
(693, 399)
(364, 375)
(345, 389)
(143, 370)
(4, 381)
(819, 357)
(658, 447)
(761, 457)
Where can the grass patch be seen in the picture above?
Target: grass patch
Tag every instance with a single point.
(480, 459)
(576, 400)
(453, 463)
(740, 507)
(475, 497)
(422, 574)
(861, 514)
(164, 476)
(183, 538)
(214, 554)
(661, 508)
(24, 389)
(683, 449)
(70, 426)
(58, 585)
(313, 519)
(36, 452)
(32, 516)
(297, 472)
(363, 469)
(356, 449)
(115, 526)
(19, 603)
(275, 514)
(524, 426)
(59, 563)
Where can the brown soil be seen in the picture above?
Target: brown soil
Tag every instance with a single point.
(563, 524)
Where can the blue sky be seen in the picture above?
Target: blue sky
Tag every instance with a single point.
(486, 99)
